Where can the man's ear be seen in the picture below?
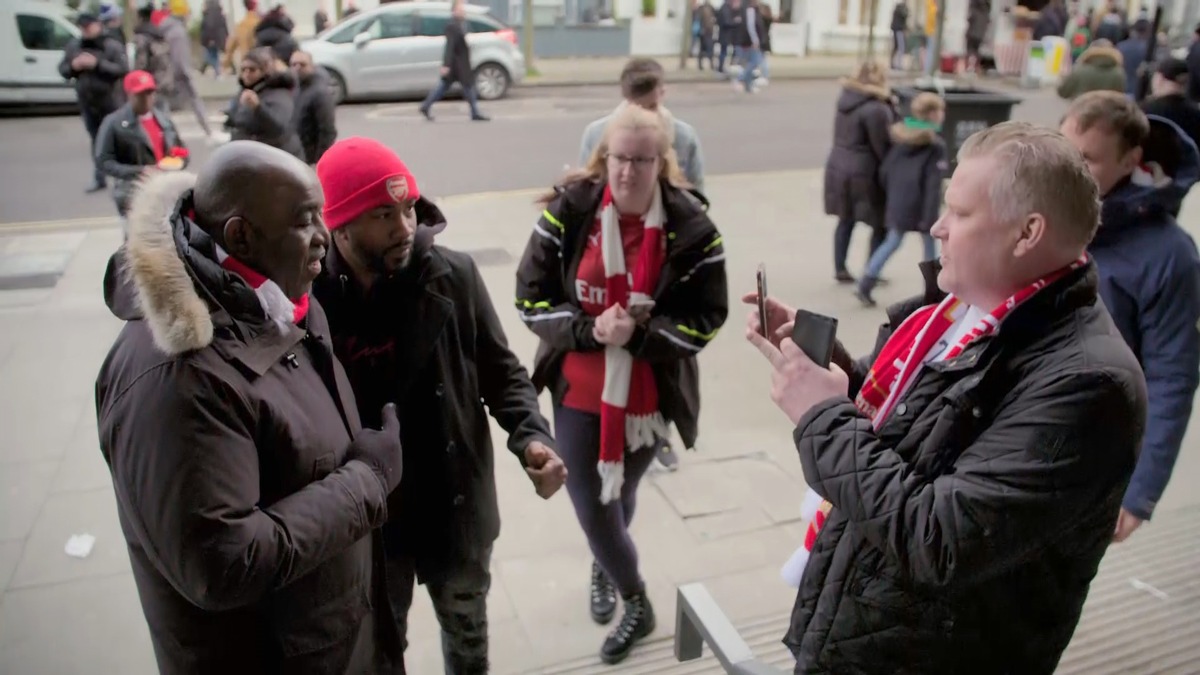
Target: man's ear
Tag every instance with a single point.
(239, 237)
(1033, 231)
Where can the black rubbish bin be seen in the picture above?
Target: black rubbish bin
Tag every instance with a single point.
(968, 110)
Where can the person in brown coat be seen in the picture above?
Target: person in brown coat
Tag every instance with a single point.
(865, 113)
(242, 40)
(248, 494)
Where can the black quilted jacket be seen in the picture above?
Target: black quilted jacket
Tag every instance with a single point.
(965, 532)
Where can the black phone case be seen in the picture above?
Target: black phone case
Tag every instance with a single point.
(815, 334)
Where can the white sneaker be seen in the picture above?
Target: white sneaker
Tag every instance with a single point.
(218, 138)
(761, 82)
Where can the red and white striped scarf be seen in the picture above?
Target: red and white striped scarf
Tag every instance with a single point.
(618, 430)
(895, 369)
(279, 308)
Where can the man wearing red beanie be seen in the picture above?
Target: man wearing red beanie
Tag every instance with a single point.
(412, 322)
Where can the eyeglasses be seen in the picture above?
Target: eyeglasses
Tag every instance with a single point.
(636, 162)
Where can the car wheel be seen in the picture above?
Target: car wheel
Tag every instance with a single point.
(491, 81)
(337, 87)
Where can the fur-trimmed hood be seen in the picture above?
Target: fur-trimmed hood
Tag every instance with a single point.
(858, 93)
(166, 274)
(1101, 57)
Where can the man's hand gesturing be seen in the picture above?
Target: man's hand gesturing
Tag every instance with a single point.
(380, 449)
(545, 469)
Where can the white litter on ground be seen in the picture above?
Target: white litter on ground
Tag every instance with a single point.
(80, 545)
(1143, 586)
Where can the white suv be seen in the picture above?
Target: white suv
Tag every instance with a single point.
(396, 50)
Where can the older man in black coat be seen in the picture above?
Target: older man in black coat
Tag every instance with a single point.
(456, 67)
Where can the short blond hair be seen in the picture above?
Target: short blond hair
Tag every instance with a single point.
(925, 104)
(1038, 171)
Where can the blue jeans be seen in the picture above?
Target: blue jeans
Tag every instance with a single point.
(212, 57)
(754, 60)
(891, 244)
(440, 91)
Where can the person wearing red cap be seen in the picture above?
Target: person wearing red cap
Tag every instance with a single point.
(137, 138)
(412, 322)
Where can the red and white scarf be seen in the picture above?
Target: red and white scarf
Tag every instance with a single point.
(279, 308)
(903, 356)
(617, 429)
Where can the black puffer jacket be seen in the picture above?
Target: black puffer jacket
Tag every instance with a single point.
(965, 532)
(691, 301)
(860, 144)
(271, 121)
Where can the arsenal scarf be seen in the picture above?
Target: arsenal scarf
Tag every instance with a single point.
(278, 307)
(895, 369)
(619, 430)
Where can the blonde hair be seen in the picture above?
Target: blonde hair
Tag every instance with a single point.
(870, 73)
(630, 118)
(1038, 171)
(925, 104)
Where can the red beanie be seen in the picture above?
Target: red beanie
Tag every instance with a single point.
(359, 174)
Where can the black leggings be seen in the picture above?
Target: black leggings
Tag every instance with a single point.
(606, 526)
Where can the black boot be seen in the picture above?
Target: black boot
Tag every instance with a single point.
(604, 596)
(636, 623)
(863, 292)
(843, 277)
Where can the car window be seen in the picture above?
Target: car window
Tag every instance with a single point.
(395, 25)
(42, 33)
(346, 32)
(479, 24)
(432, 25)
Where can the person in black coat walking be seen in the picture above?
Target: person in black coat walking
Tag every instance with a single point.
(275, 31)
(264, 108)
(214, 33)
(456, 67)
(413, 324)
(96, 63)
(861, 139)
(314, 118)
(899, 34)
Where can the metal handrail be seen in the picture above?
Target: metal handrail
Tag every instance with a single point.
(699, 621)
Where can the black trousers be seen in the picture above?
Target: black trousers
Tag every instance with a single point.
(92, 117)
(460, 602)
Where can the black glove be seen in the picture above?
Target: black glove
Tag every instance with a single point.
(380, 449)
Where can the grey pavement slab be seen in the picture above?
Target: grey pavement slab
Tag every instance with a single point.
(728, 517)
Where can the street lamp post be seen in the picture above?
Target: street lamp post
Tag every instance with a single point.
(527, 34)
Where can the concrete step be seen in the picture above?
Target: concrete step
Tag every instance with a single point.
(1140, 617)
(657, 657)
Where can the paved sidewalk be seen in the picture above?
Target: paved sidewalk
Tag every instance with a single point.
(729, 517)
(605, 70)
